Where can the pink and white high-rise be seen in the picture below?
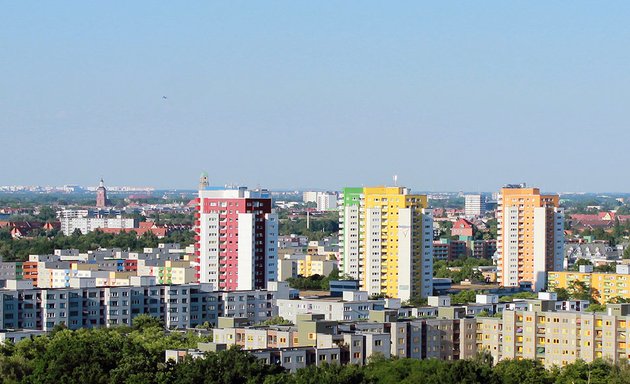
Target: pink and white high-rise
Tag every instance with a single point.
(236, 240)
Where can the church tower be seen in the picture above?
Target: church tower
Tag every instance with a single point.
(101, 195)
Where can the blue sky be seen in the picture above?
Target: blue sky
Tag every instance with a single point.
(290, 94)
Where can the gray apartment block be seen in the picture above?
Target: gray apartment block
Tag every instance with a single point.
(256, 306)
(179, 306)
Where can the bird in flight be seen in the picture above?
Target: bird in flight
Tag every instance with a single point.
(164, 97)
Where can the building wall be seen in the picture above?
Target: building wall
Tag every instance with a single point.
(383, 228)
(530, 236)
(473, 205)
(326, 201)
(350, 235)
(89, 224)
(604, 286)
(555, 338)
(179, 306)
(336, 310)
(237, 239)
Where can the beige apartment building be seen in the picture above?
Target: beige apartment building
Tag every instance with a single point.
(557, 338)
(530, 236)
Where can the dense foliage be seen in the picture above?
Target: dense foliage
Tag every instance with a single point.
(115, 355)
(319, 226)
(460, 269)
(136, 355)
(19, 249)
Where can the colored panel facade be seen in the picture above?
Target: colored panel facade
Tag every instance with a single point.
(530, 236)
(556, 338)
(237, 239)
(604, 287)
(350, 235)
(386, 241)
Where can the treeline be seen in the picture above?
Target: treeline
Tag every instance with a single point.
(136, 355)
(319, 226)
(460, 269)
(19, 249)
(105, 355)
(172, 218)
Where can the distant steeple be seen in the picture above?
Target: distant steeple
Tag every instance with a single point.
(101, 195)
(203, 181)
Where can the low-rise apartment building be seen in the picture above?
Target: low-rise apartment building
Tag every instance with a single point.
(88, 306)
(550, 331)
(352, 306)
(603, 286)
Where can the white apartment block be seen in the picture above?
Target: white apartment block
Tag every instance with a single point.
(474, 205)
(353, 306)
(73, 220)
(326, 201)
(309, 197)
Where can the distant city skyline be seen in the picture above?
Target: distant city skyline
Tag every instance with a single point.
(149, 188)
(284, 94)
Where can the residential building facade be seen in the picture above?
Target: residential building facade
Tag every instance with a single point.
(474, 205)
(237, 236)
(530, 236)
(604, 287)
(386, 241)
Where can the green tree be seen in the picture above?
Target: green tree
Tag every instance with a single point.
(562, 293)
(492, 230)
(579, 290)
(145, 321)
(46, 213)
(464, 296)
(277, 320)
(231, 366)
(597, 372)
(327, 374)
(79, 357)
(595, 308)
(521, 372)
(606, 268)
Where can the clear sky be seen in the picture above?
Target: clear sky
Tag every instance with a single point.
(448, 95)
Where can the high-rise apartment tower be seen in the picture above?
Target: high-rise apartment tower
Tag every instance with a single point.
(236, 238)
(530, 236)
(386, 241)
(474, 205)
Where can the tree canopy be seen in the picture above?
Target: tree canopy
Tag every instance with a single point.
(45, 243)
(136, 355)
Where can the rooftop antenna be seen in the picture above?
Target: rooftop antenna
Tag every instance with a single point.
(395, 180)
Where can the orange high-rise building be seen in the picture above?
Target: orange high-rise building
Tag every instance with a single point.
(530, 236)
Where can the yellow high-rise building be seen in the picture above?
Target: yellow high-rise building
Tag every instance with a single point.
(386, 241)
(530, 236)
